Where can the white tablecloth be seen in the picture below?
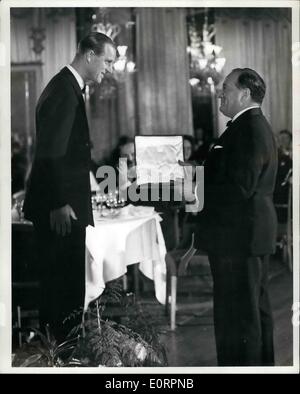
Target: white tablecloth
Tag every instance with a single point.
(115, 243)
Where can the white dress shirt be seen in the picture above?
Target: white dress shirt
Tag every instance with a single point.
(244, 110)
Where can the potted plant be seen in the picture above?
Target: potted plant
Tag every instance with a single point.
(99, 341)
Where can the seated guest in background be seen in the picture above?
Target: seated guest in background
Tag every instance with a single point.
(284, 173)
(124, 150)
(201, 147)
(127, 150)
(188, 147)
(58, 196)
(18, 164)
(285, 143)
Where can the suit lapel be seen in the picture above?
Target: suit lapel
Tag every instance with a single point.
(245, 117)
(224, 137)
(238, 124)
(67, 73)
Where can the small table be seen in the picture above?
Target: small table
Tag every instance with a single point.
(115, 243)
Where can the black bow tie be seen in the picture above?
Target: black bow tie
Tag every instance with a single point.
(83, 89)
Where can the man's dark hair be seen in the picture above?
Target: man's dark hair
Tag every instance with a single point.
(116, 153)
(250, 79)
(94, 41)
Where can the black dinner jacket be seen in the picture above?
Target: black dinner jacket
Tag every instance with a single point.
(240, 172)
(60, 170)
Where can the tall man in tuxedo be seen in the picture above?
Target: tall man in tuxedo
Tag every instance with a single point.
(238, 223)
(58, 197)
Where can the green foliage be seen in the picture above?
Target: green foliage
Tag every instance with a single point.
(143, 323)
(98, 341)
(50, 353)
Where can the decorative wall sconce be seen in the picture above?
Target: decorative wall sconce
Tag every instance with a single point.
(38, 36)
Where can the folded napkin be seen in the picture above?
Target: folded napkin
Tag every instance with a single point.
(135, 211)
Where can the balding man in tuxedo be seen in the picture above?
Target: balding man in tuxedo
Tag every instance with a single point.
(238, 223)
(58, 197)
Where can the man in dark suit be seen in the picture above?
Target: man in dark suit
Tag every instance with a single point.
(58, 197)
(238, 223)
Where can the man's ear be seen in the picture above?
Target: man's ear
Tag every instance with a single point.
(246, 94)
(89, 55)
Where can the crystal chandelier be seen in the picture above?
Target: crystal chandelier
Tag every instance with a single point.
(123, 64)
(205, 63)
